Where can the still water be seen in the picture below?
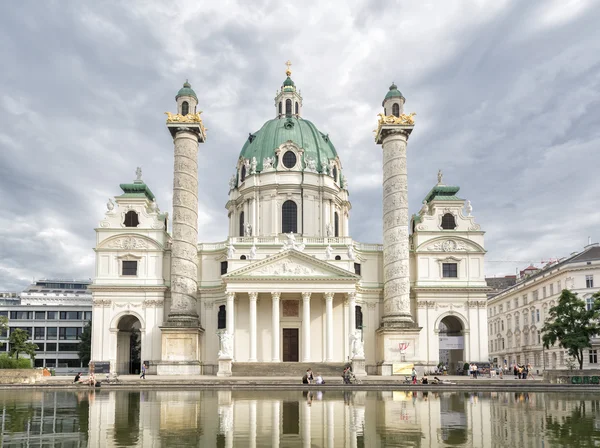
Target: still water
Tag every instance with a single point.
(353, 419)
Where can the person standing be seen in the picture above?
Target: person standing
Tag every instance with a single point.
(414, 376)
(143, 375)
(475, 371)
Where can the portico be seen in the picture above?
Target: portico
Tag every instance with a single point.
(290, 307)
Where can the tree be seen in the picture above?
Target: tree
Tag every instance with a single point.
(18, 344)
(572, 325)
(85, 345)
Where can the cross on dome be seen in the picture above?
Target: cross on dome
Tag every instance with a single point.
(288, 71)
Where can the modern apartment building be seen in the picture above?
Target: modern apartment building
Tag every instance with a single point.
(517, 314)
(53, 313)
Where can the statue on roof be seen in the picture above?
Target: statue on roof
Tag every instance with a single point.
(138, 173)
(440, 177)
(110, 205)
(424, 208)
(469, 208)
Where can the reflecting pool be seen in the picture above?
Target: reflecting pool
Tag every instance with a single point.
(353, 419)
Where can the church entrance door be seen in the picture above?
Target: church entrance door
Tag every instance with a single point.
(452, 344)
(290, 345)
(128, 345)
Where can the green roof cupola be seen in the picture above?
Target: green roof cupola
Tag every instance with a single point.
(186, 99)
(393, 103)
(288, 101)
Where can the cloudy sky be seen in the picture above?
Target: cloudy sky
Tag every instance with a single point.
(506, 92)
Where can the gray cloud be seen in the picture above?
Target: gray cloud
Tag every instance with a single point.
(506, 95)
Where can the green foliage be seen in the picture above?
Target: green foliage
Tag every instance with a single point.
(85, 346)
(18, 344)
(466, 366)
(572, 325)
(8, 362)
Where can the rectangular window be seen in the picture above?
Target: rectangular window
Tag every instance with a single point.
(537, 315)
(40, 315)
(23, 315)
(507, 306)
(593, 356)
(71, 315)
(4, 313)
(535, 294)
(51, 333)
(26, 329)
(589, 281)
(525, 300)
(551, 289)
(69, 363)
(40, 347)
(532, 316)
(69, 333)
(502, 325)
(39, 333)
(223, 267)
(38, 363)
(357, 268)
(51, 363)
(525, 319)
(500, 308)
(51, 346)
(516, 302)
(508, 324)
(87, 315)
(516, 321)
(68, 347)
(561, 356)
(52, 315)
(449, 270)
(129, 268)
(544, 292)
(539, 337)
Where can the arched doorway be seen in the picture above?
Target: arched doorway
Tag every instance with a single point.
(452, 343)
(129, 345)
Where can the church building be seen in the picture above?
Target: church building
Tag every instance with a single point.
(288, 285)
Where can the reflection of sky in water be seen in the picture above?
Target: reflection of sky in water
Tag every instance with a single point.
(312, 418)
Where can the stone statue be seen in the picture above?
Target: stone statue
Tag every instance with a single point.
(328, 252)
(232, 182)
(351, 255)
(291, 243)
(331, 167)
(154, 206)
(311, 164)
(247, 165)
(329, 230)
(248, 229)
(226, 345)
(424, 208)
(230, 251)
(138, 173)
(252, 255)
(324, 165)
(469, 208)
(253, 166)
(268, 163)
(344, 183)
(357, 346)
(440, 177)
(110, 205)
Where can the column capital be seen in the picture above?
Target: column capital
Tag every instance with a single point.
(329, 296)
(230, 295)
(276, 295)
(253, 295)
(351, 295)
(306, 296)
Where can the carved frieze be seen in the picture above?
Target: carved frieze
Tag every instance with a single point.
(152, 303)
(287, 268)
(128, 243)
(448, 246)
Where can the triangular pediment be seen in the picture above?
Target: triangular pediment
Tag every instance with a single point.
(291, 264)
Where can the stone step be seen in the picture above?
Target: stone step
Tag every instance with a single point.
(286, 369)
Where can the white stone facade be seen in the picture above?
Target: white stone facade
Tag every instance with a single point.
(517, 314)
(315, 295)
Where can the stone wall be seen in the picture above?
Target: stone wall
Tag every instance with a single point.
(579, 377)
(20, 376)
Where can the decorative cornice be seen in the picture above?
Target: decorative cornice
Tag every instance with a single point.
(457, 289)
(123, 288)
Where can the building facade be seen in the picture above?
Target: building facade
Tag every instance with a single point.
(517, 314)
(54, 314)
(288, 283)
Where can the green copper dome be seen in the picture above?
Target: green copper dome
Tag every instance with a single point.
(303, 133)
(186, 90)
(288, 82)
(393, 93)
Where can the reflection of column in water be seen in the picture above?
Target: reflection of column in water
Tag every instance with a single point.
(275, 424)
(306, 425)
(226, 423)
(330, 423)
(358, 419)
(252, 441)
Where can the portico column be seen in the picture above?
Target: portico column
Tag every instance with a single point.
(253, 297)
(230, 319)
(275, 327)
(352, 311)
(306, 326)
(329, 320)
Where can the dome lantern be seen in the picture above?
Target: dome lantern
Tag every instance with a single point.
(393, 103)
(186, 99)
(288, 102)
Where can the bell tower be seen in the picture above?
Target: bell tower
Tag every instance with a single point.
(288, 102)
(181, 332)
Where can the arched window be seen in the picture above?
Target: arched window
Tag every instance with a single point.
(338, 258)
(358, 317)
(336, 224)
(222, 318)
(288, 107)
(395, 110)
(185, 108)
(297, 108)
(242, 224)
(335, 173)
(243, 257)
(243, 174)
(131, 219)
(280, 105)
(289, 217)
(448, 222)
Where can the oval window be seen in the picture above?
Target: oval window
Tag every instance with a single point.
(289, 159)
